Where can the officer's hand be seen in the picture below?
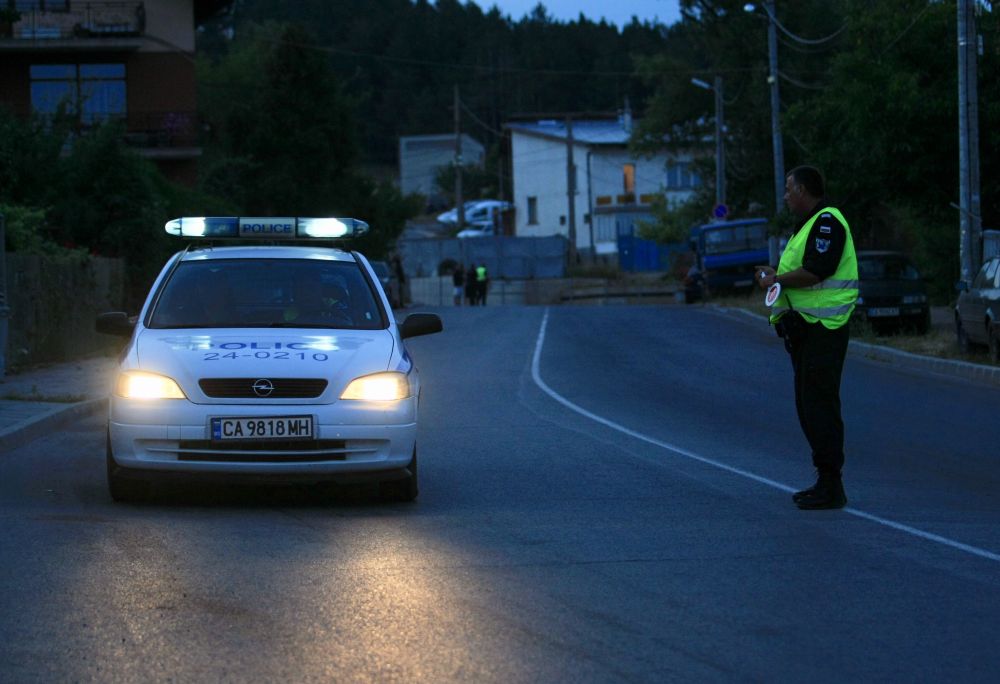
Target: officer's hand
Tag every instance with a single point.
(764, 275)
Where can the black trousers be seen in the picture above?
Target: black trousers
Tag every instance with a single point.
(817, 355)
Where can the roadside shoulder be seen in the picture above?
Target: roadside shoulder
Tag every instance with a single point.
(975, 372)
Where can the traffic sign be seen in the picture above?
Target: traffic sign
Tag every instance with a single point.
(721, 211)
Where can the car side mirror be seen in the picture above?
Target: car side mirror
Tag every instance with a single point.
(420, 324)
(961, 286)
(114, 323)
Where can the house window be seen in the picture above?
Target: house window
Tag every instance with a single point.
(532, 211)
(628, 176)
(89, 92)
(681, 177)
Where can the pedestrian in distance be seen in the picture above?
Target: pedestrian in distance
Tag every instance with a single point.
(482, 284)
(470, 285)
(818, 279)
(458, 281)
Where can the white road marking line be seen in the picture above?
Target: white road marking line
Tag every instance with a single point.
(536, 376)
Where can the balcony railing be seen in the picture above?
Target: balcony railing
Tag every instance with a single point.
(81, 20)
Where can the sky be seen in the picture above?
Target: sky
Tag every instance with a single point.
(618, 12)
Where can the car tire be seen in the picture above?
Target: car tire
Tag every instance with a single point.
(994, 339)
(964, 345)
(121, 487)
(404, 490)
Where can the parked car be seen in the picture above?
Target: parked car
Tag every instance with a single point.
(891, 292)
(977, 312)
(478, 214)
(390, 284)
(476, 231)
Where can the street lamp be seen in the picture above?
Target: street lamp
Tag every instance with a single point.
(772, 79)
(720, 149)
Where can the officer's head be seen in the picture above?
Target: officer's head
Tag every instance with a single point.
(804, 187)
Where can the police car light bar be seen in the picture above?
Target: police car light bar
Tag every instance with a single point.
(261, 228)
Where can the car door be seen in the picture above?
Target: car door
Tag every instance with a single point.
(991, 296)
(973, 308)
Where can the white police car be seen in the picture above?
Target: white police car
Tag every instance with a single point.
(265, 361)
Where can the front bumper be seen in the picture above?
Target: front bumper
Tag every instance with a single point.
(351, 439)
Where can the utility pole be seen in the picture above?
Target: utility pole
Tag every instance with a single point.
(970, 220)
(720, 147)
(459, 202)
(772, 79)
(571, 190)
(4, 309)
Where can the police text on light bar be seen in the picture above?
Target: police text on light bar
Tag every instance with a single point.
(265, 228)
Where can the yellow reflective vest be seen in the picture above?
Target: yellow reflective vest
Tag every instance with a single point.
(481, 274)
(829, 301)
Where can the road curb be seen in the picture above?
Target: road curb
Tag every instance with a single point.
(974, 372)
(36, 426)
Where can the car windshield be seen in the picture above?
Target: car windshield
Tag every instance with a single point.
(886, 268)
(725, 240)
(267, 293)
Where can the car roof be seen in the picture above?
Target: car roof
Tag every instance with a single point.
(268, 252)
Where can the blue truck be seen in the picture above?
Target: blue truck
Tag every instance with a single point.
(727, 251)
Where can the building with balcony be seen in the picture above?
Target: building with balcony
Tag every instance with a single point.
(129, 60)
(614, 188)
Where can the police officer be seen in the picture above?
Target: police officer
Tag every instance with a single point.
(818, 274)
(482, 284)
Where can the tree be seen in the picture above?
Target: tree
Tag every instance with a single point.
(284, 137)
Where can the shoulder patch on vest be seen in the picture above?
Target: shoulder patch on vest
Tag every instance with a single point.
(822, 245)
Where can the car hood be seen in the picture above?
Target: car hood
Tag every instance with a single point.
(337, 356)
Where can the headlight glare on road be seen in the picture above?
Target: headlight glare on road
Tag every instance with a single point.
(139, 385)
(378, 387)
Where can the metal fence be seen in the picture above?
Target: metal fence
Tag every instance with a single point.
(515, 258)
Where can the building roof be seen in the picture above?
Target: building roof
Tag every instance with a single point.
(585, 132)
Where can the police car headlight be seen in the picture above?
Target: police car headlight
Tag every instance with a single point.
(378, 387)
(139, 385)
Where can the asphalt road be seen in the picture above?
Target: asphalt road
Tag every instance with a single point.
(604, 497)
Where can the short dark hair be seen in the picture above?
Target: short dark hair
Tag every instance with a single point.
(810, 178)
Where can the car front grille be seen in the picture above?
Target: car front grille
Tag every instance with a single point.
(244, 388)
(269, 451)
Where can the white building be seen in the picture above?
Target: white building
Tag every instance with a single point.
(614, 189)
(421, 156)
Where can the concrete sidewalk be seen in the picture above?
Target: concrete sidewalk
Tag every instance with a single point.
(40, 400)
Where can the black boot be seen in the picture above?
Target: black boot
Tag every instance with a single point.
(828, 492)
(798, 495)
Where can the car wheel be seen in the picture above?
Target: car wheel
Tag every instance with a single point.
(994, 338)
(964, 345)
(405, 489)
(120, 486)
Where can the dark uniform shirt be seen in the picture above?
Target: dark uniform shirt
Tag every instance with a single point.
(826, 243)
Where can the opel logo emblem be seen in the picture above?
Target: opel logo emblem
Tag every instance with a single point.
(263, 388)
